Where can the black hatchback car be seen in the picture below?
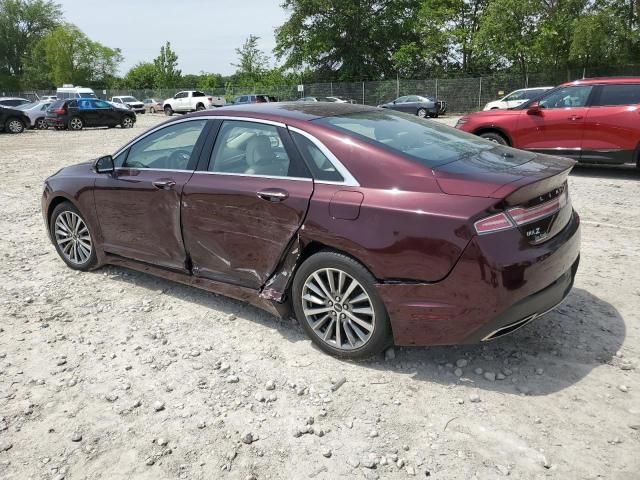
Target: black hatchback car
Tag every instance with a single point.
(13, 120)
(75, 114)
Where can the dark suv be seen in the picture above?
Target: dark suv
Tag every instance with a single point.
(75, 114)
(12, 120)
(244, 99)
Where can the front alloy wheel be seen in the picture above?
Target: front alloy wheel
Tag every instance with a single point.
(72, 238)
(422, 113)
(127, 122)
(336, 302)
(15, 126)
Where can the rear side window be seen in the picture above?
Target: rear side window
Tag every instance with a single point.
(198, 94)
(57, 104)
(611, 95)
(321, 167)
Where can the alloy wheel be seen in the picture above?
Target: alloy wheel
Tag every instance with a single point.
(75, 124)
(73, 238)
(422, 113)
(15, 126)
(338, 309)
(127, 122)
(41, 124)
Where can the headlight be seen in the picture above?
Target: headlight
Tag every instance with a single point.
(461, 122)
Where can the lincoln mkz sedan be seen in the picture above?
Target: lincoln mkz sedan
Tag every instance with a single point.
(372, 226)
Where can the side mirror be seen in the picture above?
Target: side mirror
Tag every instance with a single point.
(534, 109)
(104, 164)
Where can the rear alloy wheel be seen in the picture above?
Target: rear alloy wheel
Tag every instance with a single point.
(72, 238)
(126, 122)
(14, 125)
(336, 303)
(76, 123)
(422, 112)
(41, 124)
(152, 110)
(494, 137)
(168, 111)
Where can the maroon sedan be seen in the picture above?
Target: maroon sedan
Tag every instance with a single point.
(373, 226)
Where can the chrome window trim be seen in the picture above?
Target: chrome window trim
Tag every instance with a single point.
(193, 119)
(349, 180)
(153, 169)
(273, 177)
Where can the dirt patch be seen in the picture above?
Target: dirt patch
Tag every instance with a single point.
(118, 375)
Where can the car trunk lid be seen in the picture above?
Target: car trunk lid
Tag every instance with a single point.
(530, 188)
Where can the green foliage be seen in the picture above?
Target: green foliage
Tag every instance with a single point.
(166, 64)
(22, 24)
(252, 62)
(66, 55)
(141, 77)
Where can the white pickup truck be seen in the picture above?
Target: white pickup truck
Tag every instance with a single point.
(190, 101)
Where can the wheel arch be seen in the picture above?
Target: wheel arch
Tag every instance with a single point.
(494, 129)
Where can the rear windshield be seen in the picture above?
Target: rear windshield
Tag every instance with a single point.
(430, 143)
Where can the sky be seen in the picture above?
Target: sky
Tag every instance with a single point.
(204, 34)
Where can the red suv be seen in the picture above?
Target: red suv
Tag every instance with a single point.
(594, 120)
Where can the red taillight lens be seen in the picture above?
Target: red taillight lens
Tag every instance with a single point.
(494, 223)
(523, 216)
(210, 99)
(59, 111)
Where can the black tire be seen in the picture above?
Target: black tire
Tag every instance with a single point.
(168, 111)
(422, 112)
(41, 124)
(127, 122)
(199, 107)
(433, 115)
(14, 125)
(494, 137)
(92, 259)
(75, 123)
(152, 110)
(379, 339)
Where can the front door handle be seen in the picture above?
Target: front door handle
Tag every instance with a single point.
(273, 194)
(164, 184)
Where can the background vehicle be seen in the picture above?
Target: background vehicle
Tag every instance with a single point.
(13, 120)
(253, 98)
(592, 120)
(152, 106)
(131, 102)
(48, 98)
(13, 101)
(69, 91)
(418, 105)
(516, 98)
(269, 204)
(187, 101)
(36, 112)
(326, 99)
(87, 112)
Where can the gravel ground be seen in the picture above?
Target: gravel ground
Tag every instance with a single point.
(119, 375)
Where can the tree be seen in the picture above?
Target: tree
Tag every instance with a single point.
(252, 62)
(166, 64)
(141, 76)
(347, 39)
(66, 55)
(22, 24)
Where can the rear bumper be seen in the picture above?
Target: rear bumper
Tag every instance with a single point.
(496, 283)
(55, 121)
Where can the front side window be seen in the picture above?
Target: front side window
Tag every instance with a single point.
(247, 148)
(430, 143)
(611, 95)
(169, 148)
(101, 104)
(566, 97)
(181, 95)
(400, 99)
(518, 95)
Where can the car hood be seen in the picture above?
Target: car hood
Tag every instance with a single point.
(77, 169)
(498, 172)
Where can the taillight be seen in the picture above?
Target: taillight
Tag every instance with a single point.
(210, 99)
(522, 216)
(59, 111)
(494, 223)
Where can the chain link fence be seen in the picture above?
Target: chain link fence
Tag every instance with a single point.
(462, 94)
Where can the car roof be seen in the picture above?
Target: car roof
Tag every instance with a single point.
(603, 81)
(285, 111)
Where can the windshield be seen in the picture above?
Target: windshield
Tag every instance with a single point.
(428, 142)
(128, 99)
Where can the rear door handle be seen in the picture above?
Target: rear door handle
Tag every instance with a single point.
(273, 194)
(164, 184)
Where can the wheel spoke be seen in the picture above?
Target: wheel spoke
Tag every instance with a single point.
(362, 323)
(321, 284)
(73, 237)
(347, 331)
(365, 311)
(332, 286)
(360, 298)
(350, 289)
(316, 311)
(330, 328)
(338, 334)
(313, 299)
(321, 322)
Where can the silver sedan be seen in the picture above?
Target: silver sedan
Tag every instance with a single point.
(36, 111)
